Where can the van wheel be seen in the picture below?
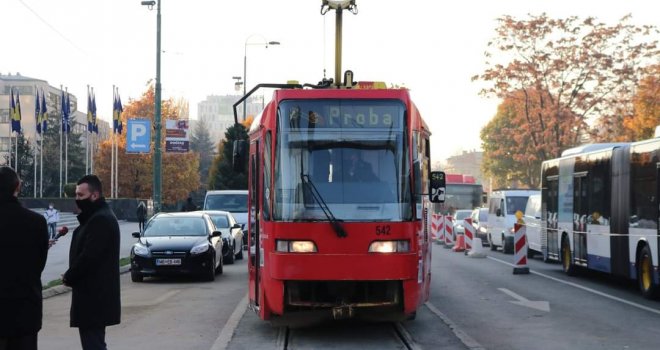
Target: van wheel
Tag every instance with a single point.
(567, 258)
(645, 274)
(507, 248)
(493, 247)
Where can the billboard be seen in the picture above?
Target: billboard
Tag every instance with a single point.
(177, 136)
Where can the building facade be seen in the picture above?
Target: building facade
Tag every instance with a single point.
(218, 114)
(468, 163)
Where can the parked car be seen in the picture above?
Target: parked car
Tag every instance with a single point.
(502, 209)
(457, 219)
(480, 223)
(233, 201)
(232, 235)
(177, 243)
(532, 220)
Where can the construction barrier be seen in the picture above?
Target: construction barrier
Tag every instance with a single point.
(449, 232)
(434, 228)
(477, 249)
(468, 230)
(441, 228)
(520, 250)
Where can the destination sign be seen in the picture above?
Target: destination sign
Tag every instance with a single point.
(341, 114)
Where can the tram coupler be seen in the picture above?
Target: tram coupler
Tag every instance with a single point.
(343, 312)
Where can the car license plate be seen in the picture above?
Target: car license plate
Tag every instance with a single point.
(168, 262)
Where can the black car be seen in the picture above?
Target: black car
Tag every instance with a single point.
(177, 243)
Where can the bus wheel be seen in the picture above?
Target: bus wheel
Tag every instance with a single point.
(493, 247)
(645, 274)
(566, 258)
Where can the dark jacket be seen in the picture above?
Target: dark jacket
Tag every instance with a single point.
(94, 269)
(24, 237)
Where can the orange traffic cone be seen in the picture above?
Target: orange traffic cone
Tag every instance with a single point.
(460, 244)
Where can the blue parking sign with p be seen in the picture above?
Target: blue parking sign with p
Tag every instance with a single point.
(138, 136)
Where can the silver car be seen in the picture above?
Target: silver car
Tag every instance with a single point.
(232, 234)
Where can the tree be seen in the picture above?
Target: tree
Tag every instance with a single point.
(646, 107)
(25, 164)
(565, 69)
(200, 142)
(180, 175)
(222, 176)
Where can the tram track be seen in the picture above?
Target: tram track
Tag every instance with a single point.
(380, 336)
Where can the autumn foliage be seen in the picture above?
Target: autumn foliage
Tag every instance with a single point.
(180, 173)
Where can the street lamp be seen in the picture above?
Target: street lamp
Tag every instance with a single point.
(265, 43)
(157, 123)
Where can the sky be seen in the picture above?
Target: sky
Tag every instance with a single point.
(431, 47)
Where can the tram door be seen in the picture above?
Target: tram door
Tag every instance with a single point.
(255, 251)
(580, 214)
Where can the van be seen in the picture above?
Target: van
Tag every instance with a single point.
(233, 201)
(502, 208)
(532, 220)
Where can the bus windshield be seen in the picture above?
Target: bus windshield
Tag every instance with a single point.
(353, 153)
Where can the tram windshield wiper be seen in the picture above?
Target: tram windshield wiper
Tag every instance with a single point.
(334, 222)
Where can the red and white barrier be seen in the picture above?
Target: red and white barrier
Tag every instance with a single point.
(468, 230)
(449, 232)
(441, 228)
(434, 227)
(520, 250)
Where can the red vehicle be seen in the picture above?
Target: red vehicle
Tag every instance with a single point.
(338, 196)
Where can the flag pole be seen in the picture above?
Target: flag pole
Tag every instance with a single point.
(34, 147)
(117, 148)
(66, 141)
(41, 144)
(61, 128)
(112, 146)
(88, 131)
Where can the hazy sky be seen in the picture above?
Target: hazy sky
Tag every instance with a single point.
(431, 47)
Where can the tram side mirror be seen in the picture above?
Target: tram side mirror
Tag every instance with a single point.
(239, 155)
(437, 187)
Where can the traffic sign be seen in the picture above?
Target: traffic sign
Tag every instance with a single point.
(138, 136)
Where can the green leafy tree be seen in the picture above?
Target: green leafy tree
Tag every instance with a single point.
(223, 176)
(200, 142)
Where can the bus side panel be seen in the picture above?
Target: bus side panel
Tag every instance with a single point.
(620, 197)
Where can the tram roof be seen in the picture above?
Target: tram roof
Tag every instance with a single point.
(592, 147)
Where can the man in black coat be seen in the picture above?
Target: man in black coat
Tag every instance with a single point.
(93, 272)
(24, 236)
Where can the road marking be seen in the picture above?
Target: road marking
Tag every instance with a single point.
(462, 336)
(228, 330)
(522, 301)
(153, 302)
(612, 297)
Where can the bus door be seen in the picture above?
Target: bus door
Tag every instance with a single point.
(580, 214)
(254, 240)
(550, 209)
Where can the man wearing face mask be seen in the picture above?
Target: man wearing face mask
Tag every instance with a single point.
(93, 272)
(25, 247)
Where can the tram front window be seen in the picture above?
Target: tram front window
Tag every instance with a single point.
(361, 173)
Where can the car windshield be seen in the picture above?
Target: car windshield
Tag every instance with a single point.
(513, 204)
(462, 214)
(235, 203)
(483, 215)
(220, 220)
(176, 226)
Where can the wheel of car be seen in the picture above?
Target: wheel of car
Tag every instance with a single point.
(645, 274)
(229, 257)
(493, 247)
(567, 258)
(239, 256)
(219, 269)
(210, 273)
(136, 276)
(507, 245)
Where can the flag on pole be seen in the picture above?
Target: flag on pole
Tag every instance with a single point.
(65, 116)
(116, 115)
(44, 112)
(37, 111)
(95, 124)
(16, 112)
(90, 121)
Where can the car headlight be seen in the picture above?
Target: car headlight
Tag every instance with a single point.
(285, 246)
(389, 247)
(483, 230)
(198, 249)
(140, 250)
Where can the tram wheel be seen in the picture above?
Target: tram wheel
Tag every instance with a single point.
(645, 274)
(567, 258)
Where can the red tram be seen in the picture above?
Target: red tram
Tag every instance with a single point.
(339, 183)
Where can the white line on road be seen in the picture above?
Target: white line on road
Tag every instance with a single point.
(462, 336)
(228, 330)
(639, 306)
(522, 301)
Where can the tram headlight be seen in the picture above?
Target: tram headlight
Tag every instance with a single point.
(389, 247)
(284, 246)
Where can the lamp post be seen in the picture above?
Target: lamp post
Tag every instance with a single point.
(157, 122)
(265, 43)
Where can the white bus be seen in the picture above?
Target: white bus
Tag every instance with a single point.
(600, 210)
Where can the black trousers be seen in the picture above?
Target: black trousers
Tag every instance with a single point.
(28, 342)
(92, 338)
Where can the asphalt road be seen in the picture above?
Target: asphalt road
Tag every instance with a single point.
(58, 255)
(543, 310)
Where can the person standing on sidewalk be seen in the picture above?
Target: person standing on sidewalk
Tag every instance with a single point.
(93, 272)
(52, 216)
(141, 213)
(25, 234)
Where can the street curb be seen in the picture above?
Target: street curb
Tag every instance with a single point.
(57, 290)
